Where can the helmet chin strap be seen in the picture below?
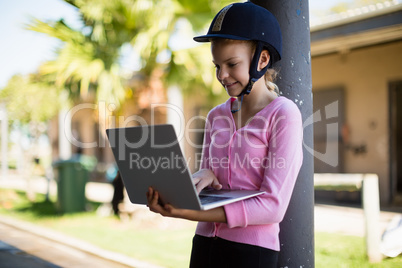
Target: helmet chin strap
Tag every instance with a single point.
(254, 74)
(245, 91)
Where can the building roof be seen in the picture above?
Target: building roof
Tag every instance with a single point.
(355, 28)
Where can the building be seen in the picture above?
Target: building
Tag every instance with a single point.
(356, 62)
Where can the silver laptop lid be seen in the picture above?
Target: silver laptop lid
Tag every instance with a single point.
(151, 156)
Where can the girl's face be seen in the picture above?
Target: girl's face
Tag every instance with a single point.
(232, 61)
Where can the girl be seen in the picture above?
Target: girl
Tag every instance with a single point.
(253, 141)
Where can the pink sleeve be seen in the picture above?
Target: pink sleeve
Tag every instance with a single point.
(285, 145)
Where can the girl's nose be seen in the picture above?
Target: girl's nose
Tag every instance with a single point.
(221, 74)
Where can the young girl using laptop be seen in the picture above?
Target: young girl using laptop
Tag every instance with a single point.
(253, 141)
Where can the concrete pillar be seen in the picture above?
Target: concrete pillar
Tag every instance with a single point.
(4, 140)
(175, 112)
(64, 134)
(371, 208)
(297, 229)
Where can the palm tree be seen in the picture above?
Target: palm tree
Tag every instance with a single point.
(89, 59)
(87, 64)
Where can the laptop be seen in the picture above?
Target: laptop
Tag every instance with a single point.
(151, 156)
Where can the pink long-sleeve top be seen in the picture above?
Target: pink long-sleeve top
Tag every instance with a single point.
(266, 154)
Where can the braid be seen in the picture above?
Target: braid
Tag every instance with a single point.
(270, 77)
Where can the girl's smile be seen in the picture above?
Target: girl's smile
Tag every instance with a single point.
(227, 86)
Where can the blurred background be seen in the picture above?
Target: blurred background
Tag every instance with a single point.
(71, 69)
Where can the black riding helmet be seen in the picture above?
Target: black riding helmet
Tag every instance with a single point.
(248, 21)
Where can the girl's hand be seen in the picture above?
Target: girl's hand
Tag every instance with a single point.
(205, 178)
(156, 206)
(167, 210)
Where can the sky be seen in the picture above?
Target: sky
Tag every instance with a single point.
(22, 51)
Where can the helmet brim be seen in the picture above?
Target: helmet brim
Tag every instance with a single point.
(208, 37)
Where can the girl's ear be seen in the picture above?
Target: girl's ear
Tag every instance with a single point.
(264, 60)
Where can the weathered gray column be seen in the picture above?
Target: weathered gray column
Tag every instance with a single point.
(297, 229)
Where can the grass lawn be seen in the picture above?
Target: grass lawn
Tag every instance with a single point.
(343, 251)
(143, 237)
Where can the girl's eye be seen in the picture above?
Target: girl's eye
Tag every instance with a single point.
(232, 64)
(216, 66)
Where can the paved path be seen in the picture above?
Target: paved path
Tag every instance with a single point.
(25, 243)
(345, 220)
(19, 248)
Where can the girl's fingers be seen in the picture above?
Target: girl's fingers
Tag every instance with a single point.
(156, 197)
(150, 194)
(152, 198)
(199, 187)
(196, 180)
(202, 184)
(216, 185)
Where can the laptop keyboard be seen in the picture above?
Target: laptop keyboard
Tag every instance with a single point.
(207, 199)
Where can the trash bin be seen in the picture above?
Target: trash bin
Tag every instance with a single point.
(71, 180)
